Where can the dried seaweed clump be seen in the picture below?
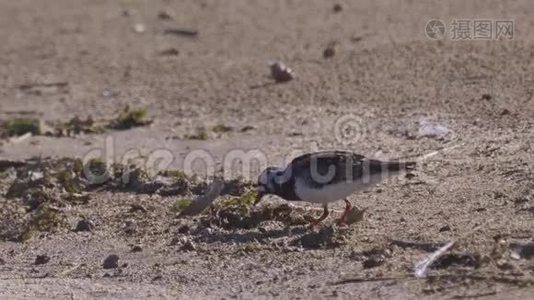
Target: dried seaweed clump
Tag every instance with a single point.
(221, 128)
(20, 126)
(76, 126)
(39, 182)
(45, 218)
(240, 212)
(182, 204)
(130, 118)
(38, 194)
(201, 135)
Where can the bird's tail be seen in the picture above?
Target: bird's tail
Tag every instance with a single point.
(392, 166)
(399, 166)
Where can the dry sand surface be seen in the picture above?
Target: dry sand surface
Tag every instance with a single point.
(200, 69)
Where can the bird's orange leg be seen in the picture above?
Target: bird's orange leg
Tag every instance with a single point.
(343, 219)
(316, 222)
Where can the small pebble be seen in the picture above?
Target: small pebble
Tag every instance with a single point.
(107, 93)
(137, 248)
(188, 246)
(247, 128)
(137, 207)
(84, 225)
(42, 259)
(183, 229)
(445, 228)
(163, 15)
(410, 176)
(373, 261)
(130, 227)
(337, 7)
(206, 231)
(111, 262)
(169, 52)
(486, 97)
(280, 72)
(329, 51)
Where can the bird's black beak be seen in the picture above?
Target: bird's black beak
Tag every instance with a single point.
(260, 192)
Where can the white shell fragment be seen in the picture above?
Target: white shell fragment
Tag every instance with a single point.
(139, 28)
(420, 270)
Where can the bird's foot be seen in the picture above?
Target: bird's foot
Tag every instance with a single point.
(315, 223)
(342, 221)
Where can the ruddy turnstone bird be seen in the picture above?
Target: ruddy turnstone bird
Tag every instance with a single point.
(327, 176)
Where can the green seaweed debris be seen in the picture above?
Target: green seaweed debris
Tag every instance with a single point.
(220, 128)
(201, 135)
(245, 200)
(182, 204)
(129, 118)
(21, 126)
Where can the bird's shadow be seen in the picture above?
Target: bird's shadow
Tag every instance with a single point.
(297, 236)
(250, 236)
(242, 227)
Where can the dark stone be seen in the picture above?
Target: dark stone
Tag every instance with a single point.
(445, 228)
(329, 52)
(111, 262)
(486, 97)
(373, 261)
(188, 246)
(183, 229)
(42, 259)
(458, 260)
(137, 248)
(84, 225)
(137, 207)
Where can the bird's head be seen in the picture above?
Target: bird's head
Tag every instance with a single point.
(268, 180)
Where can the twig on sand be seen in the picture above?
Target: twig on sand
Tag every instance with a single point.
(49, 84)
(422, 267)
(181, 32)
(425, 246)
(518, 281)
(422, 157)
(369, 279)
(202, 202)
(473, 296)
(69, 270)
(6, 164)
(19, 139)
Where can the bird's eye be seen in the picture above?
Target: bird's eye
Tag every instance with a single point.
(279, 173)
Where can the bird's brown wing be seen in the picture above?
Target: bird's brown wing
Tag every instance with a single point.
(329, 167)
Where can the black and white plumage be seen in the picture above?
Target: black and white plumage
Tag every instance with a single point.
(326, 176)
